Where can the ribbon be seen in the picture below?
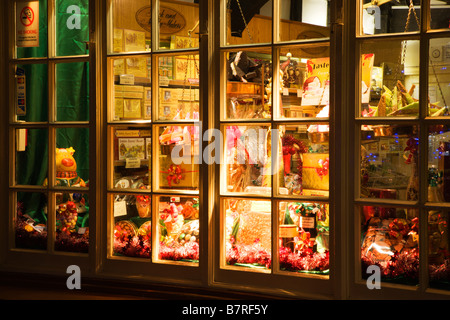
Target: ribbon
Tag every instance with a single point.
(175, 174)
(412, 147)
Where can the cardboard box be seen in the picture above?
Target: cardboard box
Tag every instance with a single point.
(131, 148)
(133, 40)
(132, 109)
(118, 40)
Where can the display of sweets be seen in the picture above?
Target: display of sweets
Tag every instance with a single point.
(67, 216)
(179, 230)
(131, 241)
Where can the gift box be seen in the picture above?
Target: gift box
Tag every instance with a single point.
(182, 175)
(315, 173)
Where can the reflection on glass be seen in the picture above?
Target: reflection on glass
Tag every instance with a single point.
(31, 29)
(249, 85)
(304, 167)
(305, 82)
(132, 225)
(178, 94)
(389, 162)
(131, 26)
(304, 237)
(72, 157)
(132, 158)
(438, 249)
(178, 158)
(307, 19)
(248, 233)
(31, 85)
(390, 241)
(72, 28)
(389, 16)
(438, 163)
(248, 159)
(72, 222)
(31, 156)
(440, 11)
(249, 22)
(178, 25)
(439, 77)
(389, 72)
(132, 91)
(72, 91)
(178, 228)
(31, 221)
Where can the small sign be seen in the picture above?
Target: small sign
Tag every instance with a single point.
(170, 20)
(120, 208)
(132, 163)
(126, 79)
(27, 24)
(21, 108)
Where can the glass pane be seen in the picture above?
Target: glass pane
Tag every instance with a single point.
(440, 11)
(31, 221)
(438, 249)
(31, 156)
(178, 94)
(131, 26)
(389, 72)
(438, 77)
(31, 29)
(132, 93)
(390, 243)
(72, 27)
(304, 235)
(132, 225)
(31, 92)
(305, 84)
(247, 160)
(389, 162)
(304, 167)
(389, 16)
(247, 229)
(178, 158)
(307, 19)
(178, 228)
(178, 24)
(72, 91)
(72, 157)
(249, 85)
(249, 22)
(132, 158)
(438, 163)
(72, 222)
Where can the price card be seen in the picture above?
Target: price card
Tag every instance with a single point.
(131, 163)
(120, 208)
(126, 79)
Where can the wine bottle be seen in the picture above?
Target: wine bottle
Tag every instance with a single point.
(288, 231)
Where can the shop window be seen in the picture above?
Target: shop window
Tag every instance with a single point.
(402, 101)
(274, 117)
(153, 110)
(49, 122)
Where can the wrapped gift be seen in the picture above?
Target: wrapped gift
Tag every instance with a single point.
(315, 173)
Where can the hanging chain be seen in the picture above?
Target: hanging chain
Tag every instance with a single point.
(403, 55)
(188, 62)
(245, 22)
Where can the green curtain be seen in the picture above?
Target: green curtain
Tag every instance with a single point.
(72, 99)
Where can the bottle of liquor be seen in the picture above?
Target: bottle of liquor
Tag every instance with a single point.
(308, 222)
(288, 231)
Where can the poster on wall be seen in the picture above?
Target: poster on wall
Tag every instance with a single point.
(317, 83)
(27, 24)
